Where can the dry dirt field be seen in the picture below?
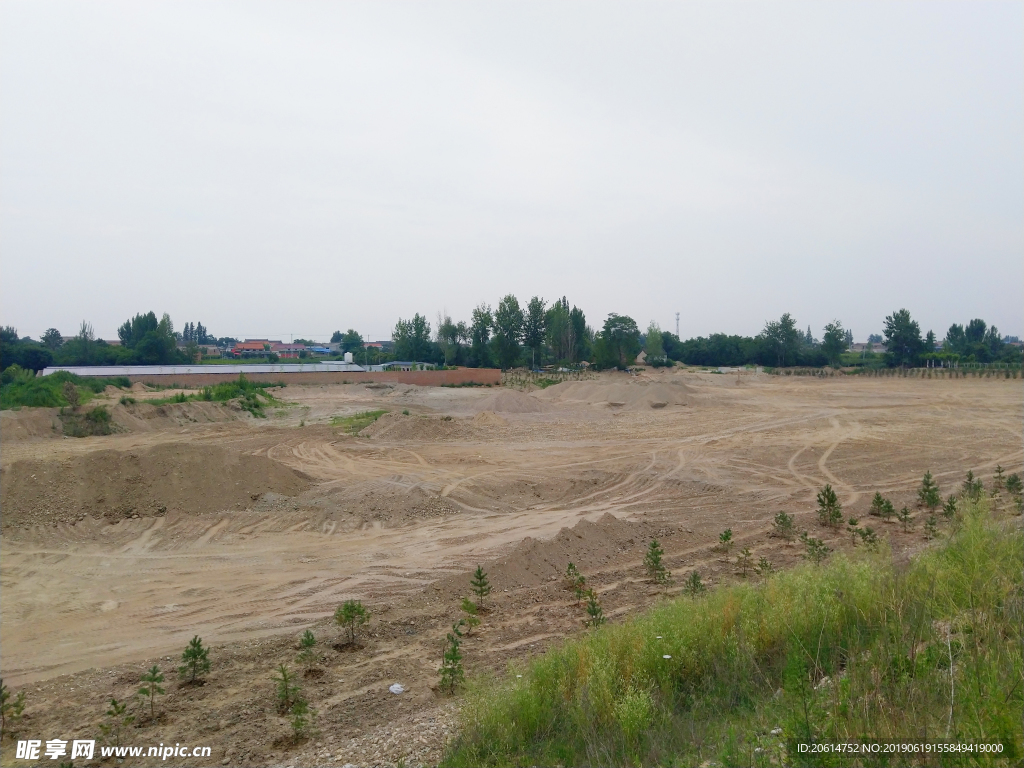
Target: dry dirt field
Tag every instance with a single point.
(198, 519)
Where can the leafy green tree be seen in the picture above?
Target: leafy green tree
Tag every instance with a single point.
(562, 332)
(152, 688)
(508, 331)
(480, 335)
(783, 338)
(833, 343)
(52, 339)
(619, 342)
(448, 337)
(351, 615)
(480, 586)
(653, 563)
(534, 328)
(928, 493)
(902, 340)
(412, 338)
(830, 511)
(336, 337)
(352, 341)
(653, 347)
(195, 660)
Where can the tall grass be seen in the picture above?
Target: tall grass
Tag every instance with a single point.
(252, 396)
(857, 649)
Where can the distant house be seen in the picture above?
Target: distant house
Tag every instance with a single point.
(401, 365)
(251, 347)
(319, 350)
(287, 350)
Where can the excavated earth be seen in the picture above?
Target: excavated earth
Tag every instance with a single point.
(199, 519)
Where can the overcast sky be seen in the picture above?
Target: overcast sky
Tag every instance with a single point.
(294, 168)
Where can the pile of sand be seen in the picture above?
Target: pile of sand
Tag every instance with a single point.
(29, 424)
(114, 484)
(628, 395)
(510, 401)
(399, 427)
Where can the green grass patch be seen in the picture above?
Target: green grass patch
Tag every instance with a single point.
(21, 388)
(855, 650)
(357, 422)
(82, 423)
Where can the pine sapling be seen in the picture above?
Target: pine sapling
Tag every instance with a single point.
(11, 710)
(579, 589)
(931, 527)
(1014, 485)
(998, 480)
(853, 529)
(764, 568)
(351, 615)
(451, 670)
(594, 613)
(782, 527)
(286, 692)
(725, 540)
(480, 586)
(888, 510)
(117, 720)
(830, 511)
(693, 586)
(869, 537)
(571, 574)
(152, 688)
(928, 494)
(949, 508)
(816, 551)
(904, 517)
(653, 563)
(743, 560)
(307, 651)
(471, 619)
(877, 504)
(196, 660)
(301, 717)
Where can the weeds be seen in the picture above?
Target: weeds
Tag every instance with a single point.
(357, 422)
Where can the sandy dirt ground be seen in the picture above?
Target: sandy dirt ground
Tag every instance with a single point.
(116, 550)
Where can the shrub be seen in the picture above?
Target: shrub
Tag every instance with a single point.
(351, 615)
(656, 569)
(195, 660)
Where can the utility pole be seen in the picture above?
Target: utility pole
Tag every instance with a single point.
(677, 325)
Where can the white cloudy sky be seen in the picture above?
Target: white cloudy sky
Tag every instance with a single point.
(296, 168)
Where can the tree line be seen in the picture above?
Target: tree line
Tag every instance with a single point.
(536, 334)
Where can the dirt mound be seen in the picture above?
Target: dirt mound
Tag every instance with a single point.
(142, 417)
(115, 484)
(398, 426)
(29, 424)
(628, 395)
(510, 401)
(489, 419)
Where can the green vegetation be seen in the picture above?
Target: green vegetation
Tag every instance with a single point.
(814, 549)
(471, 619)
(830, 511)
(95, 421)
(117, 721)
(782, 527)
(11, 710)
(653, 563)
(152, 688)
(693, 586)
(854, 650)
(725, 540)
(595, 615)
(480, 586)
(252, 396)
(195, 660)
(307, 654)
(286, 692)
(452, 674)
(351, 615)
(301, 717)
(22, 388)
(357, 422)
(928, 494)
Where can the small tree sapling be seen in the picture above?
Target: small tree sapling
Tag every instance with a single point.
(152, 688)
(351, 615)
(653, 563)
(481, 587)
(196, 660)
